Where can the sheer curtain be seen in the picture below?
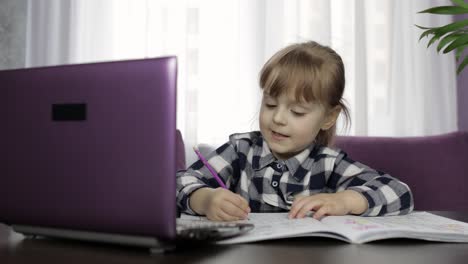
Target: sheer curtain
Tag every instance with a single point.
(395, 86)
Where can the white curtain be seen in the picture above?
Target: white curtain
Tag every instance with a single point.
(395, 86)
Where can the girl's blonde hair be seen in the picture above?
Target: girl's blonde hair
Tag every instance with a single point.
(312, 72)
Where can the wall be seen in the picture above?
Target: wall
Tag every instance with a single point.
(12, 33)
(462, 95)
(463, 100)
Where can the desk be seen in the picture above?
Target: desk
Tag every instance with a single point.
(15, 249)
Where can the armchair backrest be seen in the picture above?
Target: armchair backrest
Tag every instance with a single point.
(435, 167)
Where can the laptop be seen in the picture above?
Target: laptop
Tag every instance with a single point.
(88, 152)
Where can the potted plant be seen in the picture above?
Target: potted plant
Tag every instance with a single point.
(453, 36)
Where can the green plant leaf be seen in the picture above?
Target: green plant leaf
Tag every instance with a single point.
(433, 39)
(440, 31)
(424, 27)
(453, 36)
(452, 27)
(459, 51)
(462, 65)
(446, 10)
(460, 41)
(447, 39)
(427, 33)
(460, 3)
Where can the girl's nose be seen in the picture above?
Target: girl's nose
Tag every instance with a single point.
(279, 117)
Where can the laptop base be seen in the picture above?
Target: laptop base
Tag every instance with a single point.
(155, 246)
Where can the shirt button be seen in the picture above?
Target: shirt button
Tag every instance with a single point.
(274, 184)
(279, 166)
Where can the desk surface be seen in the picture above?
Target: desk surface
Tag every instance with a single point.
(15, 249)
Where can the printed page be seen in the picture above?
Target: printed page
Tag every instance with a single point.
(419, 225)
(275, 226)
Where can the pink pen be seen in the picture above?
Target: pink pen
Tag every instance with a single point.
(212, 171)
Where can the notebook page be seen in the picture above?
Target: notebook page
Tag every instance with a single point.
(422, 225)
(273, 226)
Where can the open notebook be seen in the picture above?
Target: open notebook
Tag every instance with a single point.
(352, 229)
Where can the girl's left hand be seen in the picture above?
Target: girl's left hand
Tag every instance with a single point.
(340, 203)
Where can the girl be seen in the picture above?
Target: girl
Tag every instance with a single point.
(289, 165)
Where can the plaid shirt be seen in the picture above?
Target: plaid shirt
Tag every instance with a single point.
(248, 168)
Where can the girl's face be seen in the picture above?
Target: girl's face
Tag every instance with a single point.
(289, 126)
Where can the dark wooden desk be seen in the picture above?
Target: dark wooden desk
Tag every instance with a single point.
(15, 249)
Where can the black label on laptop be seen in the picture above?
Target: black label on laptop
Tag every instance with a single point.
(68, 112)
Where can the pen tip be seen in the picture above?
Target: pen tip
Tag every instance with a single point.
(195, 148)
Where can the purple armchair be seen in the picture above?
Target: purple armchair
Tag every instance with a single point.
(435, 167)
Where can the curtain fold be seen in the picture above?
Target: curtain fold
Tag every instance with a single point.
(422, 83)
(395, 86)
(48, 33)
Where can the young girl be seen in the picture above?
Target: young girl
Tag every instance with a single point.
(289, 164)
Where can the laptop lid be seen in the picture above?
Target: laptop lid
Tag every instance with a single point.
(90, 147)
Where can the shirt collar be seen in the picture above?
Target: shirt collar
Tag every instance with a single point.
(302, 159)
(262, 155)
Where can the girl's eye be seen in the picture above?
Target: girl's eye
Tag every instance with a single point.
(270, 105)
(298, 113)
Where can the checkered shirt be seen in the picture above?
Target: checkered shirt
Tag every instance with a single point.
(248, 168)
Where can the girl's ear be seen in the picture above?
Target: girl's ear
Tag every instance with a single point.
(331, 117)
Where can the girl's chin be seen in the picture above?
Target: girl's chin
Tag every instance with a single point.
(280, 153)
(282, 156)
(283, 153)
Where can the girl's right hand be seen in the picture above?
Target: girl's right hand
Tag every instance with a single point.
(220, 204)
(224, 205)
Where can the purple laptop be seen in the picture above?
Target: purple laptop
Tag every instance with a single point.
(88, 152)
(90, 147)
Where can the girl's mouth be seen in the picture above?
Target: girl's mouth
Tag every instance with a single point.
(278, 136)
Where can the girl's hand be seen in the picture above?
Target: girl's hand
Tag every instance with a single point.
(341, 203)
(220, 204)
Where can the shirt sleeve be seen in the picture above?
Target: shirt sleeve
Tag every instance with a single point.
(385, 194)
(223, 160)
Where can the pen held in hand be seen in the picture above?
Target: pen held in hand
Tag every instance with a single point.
(212, 171)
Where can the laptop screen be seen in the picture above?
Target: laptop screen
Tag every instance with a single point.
(90, 147)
